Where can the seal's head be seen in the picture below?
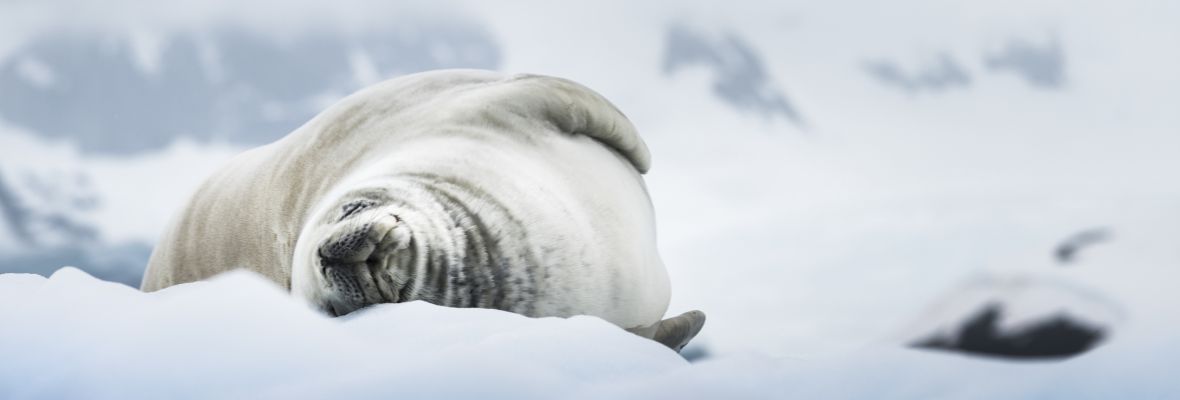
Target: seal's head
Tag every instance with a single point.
(355, 253)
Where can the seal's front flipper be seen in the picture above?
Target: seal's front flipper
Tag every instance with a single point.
(674, 332)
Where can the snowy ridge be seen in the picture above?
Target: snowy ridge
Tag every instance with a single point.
(237, 336)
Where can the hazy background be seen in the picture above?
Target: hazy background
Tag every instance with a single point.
(822, 170)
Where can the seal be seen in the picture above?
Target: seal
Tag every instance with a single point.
(461, 188)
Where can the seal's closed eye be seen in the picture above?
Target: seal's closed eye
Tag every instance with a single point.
(351, 208)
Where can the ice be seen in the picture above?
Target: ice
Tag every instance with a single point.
(239, 336)
(74, 336)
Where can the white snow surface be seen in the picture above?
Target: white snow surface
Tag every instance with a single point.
(815, 250)
(239, 336)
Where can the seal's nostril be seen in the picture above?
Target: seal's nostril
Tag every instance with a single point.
(329, 269)
(352, 246)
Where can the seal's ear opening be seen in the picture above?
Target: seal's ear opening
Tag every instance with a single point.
(572, 108)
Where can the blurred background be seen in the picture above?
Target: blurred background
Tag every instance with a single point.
(823, 170)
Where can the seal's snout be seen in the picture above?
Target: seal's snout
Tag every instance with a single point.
(360, 239)
(348, 245)
(355, 259)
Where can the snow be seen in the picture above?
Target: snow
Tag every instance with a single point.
(238, 336)
(817, 250)
(125, 210)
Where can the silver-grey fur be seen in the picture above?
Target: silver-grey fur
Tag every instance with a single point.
(462, 188)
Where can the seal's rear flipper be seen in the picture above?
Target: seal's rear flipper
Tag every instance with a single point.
(674, 332)
(677, 331)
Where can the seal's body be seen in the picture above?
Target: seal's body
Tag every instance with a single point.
(461, 188)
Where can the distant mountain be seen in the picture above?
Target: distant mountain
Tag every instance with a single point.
(107, 98)
(740, 76)
(230, 84)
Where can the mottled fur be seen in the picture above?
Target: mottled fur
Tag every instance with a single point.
(462, 188)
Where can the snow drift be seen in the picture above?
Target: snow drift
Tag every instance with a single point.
(238, 336)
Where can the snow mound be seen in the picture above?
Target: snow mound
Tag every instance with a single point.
(239, 336)
(73, 336)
